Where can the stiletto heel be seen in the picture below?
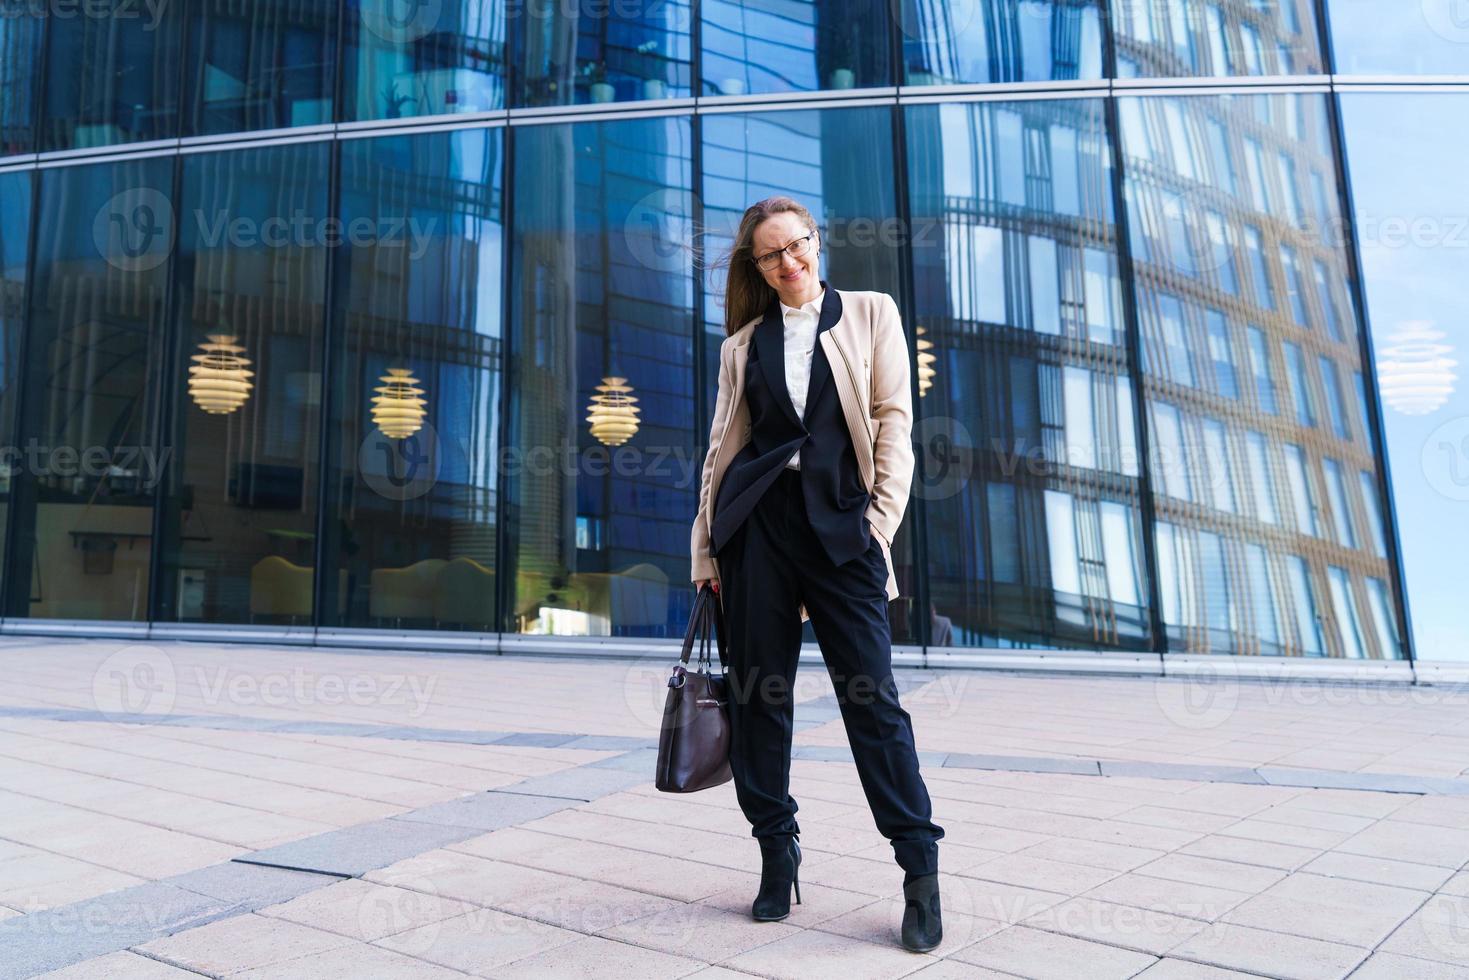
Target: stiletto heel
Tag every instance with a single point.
(778, 871)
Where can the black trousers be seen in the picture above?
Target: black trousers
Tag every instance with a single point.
(771, 564)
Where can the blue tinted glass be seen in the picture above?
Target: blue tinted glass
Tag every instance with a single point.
(402, 60)
(248, 72)
(1001, 41)
(20, 70)
(1166, 38)
(1016, 277)
(601, 414)
(113, 75)
(589, 51)
(1191, 306)
(796, 46)
(421, 548)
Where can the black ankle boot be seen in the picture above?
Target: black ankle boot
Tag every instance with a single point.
(923, 927)
(778, 874)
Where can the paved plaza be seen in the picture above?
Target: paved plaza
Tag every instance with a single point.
(192, 809)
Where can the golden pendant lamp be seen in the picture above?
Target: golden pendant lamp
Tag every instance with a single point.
(925, 363)
(397, 408)
(218, 381)
(612, 414)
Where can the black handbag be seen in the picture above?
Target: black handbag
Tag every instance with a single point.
(693, 741)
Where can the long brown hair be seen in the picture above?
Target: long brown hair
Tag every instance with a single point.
(746, 293)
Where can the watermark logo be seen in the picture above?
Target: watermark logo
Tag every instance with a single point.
(948, 456)
(401, 21)
(134, 229)
(400, 469)
(405, 906)
(1203, 700)
(1449, 19)
(1445, 459)
(134, 683)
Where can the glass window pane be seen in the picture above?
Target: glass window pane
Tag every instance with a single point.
(1422, 37)
(1022, 306)
(20, 65)
(602, 317)
(1188, 313)
(246, 71)
(1165, 38)
(749, 46)
(112, 75)
(412, 496)
(1001, 41)
(239, 519)
(575, 52)
(15, 231)
(94, 344)
(424, 59)
(1417, 293)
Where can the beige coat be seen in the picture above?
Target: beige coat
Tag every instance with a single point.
(866, 343)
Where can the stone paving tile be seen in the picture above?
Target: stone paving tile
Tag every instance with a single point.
(364, 910)
(241, 942)
(1285, 857)
(1268, 953)
(969, 760)
(880, 922)
(122, 965)
(1437, 931)
(1393, 966)
(1146, 930)
(1172, 969)
(707, 932)
(1335, 909)
(1443, 846)
(1040, 954)
(1180, 898)
(815, 955)
(478, 941)
(352, 962)
(488, 811)
(592, 956)
(1383, 871)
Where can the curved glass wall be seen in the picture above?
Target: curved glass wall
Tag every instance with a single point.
(400, 316)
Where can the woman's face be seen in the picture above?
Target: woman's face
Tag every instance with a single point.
(794, 277)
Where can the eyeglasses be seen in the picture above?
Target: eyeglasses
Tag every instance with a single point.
(794, 249)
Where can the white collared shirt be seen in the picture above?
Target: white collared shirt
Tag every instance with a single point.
(800, 343)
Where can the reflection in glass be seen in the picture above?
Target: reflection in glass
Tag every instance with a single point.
(84, 500)
(1188, 305)
(600, 289)
(20, 67)
(403, 60)
(1417, 294)
(1001, 41)
(1030, 471)
(112, 74)
(246, 71)
(239, 512)
(750, 46)
(582, 51)
(412, 505)
(15, 205)
(838, 163)
(1167, 38)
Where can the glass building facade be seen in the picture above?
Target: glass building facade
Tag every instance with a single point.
(367, 320)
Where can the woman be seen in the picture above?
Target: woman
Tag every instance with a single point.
(803, 489)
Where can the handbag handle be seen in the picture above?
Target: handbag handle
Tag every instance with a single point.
(707, 616)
